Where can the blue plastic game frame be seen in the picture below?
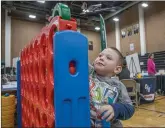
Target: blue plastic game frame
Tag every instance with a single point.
(19, 115)
(71, 97)
(71, 92)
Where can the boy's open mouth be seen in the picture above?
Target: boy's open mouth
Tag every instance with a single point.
(99, 63)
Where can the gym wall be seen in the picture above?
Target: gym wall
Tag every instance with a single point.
(155, 26)
(154, 17)
(95, 38)
(23, 31)
(111, 38)
(129, 18)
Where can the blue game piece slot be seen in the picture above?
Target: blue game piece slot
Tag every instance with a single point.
(71, 91)
(105, 124)
(19, 116)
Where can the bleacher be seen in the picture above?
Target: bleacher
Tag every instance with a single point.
(159, 59)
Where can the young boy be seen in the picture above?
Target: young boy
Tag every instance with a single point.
(109, 98)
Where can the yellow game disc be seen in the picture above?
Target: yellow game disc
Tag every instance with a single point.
(8, 108)
(4, 113)
(7, 101)
(7, 117)
(11, 125)
(6, 122)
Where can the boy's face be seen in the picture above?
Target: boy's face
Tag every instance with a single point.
(107, 63)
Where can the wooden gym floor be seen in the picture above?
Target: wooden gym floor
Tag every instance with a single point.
(148, 115)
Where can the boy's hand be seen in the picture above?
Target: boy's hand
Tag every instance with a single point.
(108, 112)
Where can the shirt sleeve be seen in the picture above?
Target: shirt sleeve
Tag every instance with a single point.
(123, 95)
(123, 109)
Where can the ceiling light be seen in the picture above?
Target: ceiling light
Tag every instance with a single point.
(32, 16)
(97, 5)
(144, 5)
(87, 10)
(97, 28)
(116, 19)
(41, 1)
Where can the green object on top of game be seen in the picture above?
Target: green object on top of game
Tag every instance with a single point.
(62, 10)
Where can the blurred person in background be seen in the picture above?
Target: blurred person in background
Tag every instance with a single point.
(125, 73)
(151, 65)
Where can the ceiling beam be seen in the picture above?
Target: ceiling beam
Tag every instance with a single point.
(96, 11)
(31, 7)
(30, 11)
(119, 11)
(93, 18)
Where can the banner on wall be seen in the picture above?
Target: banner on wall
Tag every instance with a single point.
(123, 33)
(130, 30)
(103, 33)
(136, 28)
(132, 47)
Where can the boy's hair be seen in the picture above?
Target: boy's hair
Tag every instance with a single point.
(121, 58)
